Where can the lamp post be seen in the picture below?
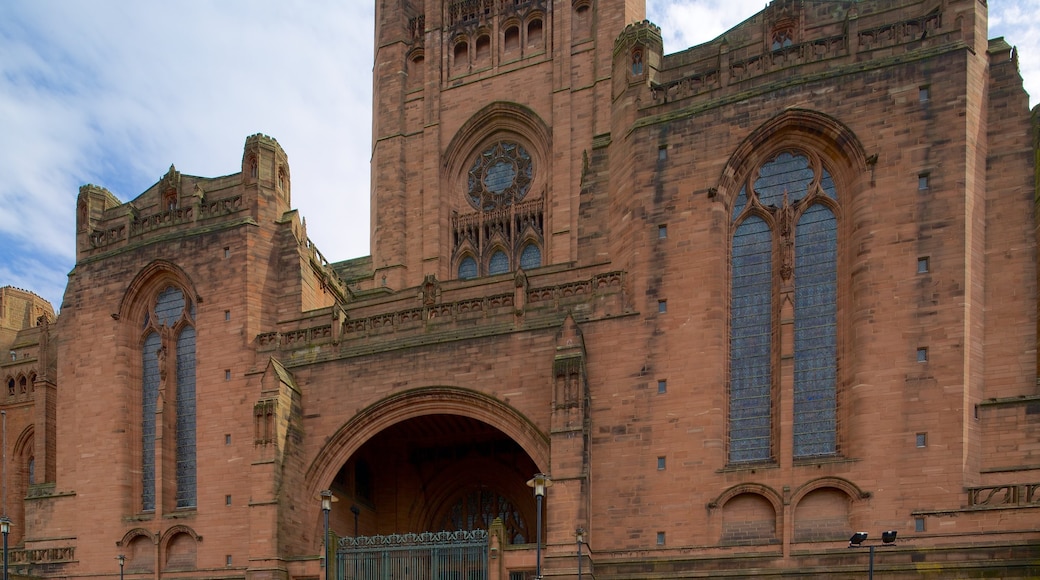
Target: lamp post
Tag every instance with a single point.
(539, 482)
(579, 536)
(5, 528)
(327, 499)
(122, 560)
(888, 538)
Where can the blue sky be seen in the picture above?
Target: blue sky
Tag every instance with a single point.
(112, 92)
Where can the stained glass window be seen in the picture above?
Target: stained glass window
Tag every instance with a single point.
(499, 263)
(478, 508)
(499, 177)
(815, 332)
(172, 311)
(786, 174)
(467, 268)
(790, 188)
(150, 394)
(750, 408)
(186, 418)
(531, 257)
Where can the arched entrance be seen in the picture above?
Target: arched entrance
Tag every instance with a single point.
(423, 494)
(433, 473)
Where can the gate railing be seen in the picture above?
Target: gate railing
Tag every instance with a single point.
(460, 555)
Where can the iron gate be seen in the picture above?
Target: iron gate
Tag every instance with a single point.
(460, 555)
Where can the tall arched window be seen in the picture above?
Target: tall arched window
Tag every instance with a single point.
(784, 250)
(168, 373)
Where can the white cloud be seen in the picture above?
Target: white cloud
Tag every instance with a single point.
(112, 92)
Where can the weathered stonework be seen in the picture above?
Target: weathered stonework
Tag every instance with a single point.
(560, 284)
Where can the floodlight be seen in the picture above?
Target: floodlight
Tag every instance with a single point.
(857, 539)
(888, 537)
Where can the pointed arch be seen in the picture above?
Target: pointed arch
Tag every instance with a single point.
(418, 402)
(148, 281)
(809, 129)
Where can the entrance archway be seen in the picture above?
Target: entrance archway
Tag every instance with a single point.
(432, 459)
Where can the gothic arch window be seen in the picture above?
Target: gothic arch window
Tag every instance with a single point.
(169, 200)
(784, 250)
(581, 24)
(467, 268)
(168, 374)
(511, 38)
(534, 33)
(530, 256)
(498, 165)
(482, 52)
(10, 387)
(416, 69)
(499, 263)
(460, 56)
(500, 176)
(782, 35)
(478, 508)
(637, 61)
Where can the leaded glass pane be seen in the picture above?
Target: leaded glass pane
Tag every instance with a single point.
(149, 396)
(499, 263)
(531, 257)
(479, 508)
(738, 205)
(186, 418)
(750, 396)
(467, 268)
(169, 306)
(815, 333)
(500, 176)
(786, 173)
(828, 185)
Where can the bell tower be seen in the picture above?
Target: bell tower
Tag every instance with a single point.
(485, 117)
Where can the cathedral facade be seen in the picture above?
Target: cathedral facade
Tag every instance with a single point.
(721, 309)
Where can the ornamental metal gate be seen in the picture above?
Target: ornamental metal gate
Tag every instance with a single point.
(460, 555)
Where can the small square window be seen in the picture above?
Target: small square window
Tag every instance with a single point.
(662, 386)
(660, 538)
(227, 315)
(922, 440)
(227, 252)
(662, 152)
(227, 439)
(922, 182)
(227, 500)
(662, 306)
(662, 232)
(922, 265)
(922, 355)
(227, 374)
(660, 463)
(918, 524)
(923, 94)
(227, 560)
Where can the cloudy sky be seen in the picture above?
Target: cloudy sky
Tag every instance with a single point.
(112, 92)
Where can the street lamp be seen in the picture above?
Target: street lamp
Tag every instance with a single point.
(888, 538)
(579, 536)
(539, 482)
(5, 528)
(122, 560)
(327, 499)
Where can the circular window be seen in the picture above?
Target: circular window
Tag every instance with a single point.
(500, 176)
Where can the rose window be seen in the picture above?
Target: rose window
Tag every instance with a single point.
(499, 177)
